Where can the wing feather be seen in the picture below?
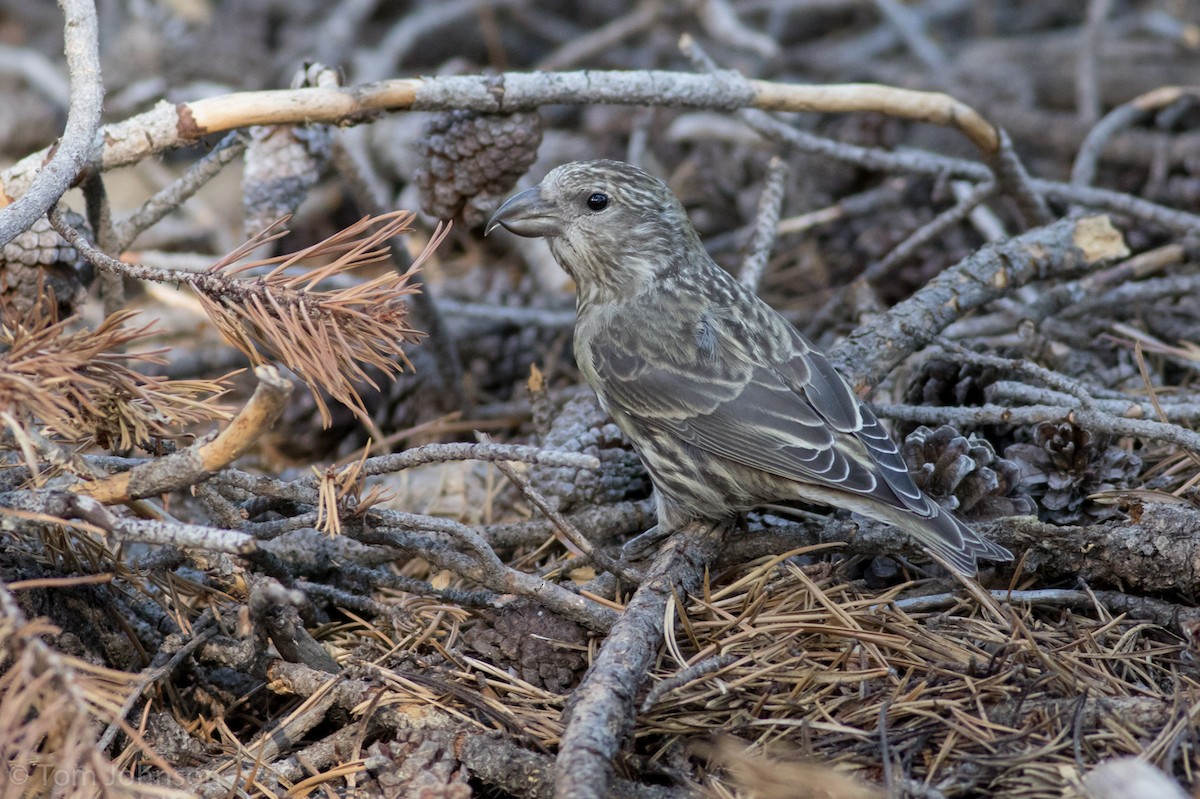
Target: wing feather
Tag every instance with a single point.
(789, 414)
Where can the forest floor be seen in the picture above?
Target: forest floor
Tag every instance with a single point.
(352, 526)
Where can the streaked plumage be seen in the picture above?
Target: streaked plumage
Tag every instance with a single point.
(727, 404)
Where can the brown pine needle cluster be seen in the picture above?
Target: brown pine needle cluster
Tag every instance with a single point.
(82, 386)
(328, 337)
(340, 489)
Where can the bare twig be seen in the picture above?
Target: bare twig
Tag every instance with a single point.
(570, 535)
(524, 317)
(704, 668)
(1083, 172)
(483, 567)
(1034, 414)
(99, 215)
(170, 126)
(986, 223)
(73, 150)
(164, 663)
(1067, 246)
(770, 202)
(940, 109)
(485, 451)
(605, 37)
(910, 26)
(603, 706)
(1082, 394)
(164, 202)
(603, 523)
(32, 510)
(1087, 89)
(1007, 392)
(931, 230)
(721, 22)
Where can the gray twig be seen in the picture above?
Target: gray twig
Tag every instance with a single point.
(911, 27)
(524, 317)
(602, 708)
(705, 667)
(171, 197)
(489, 451)
(82, 46)
(1064, 247)
(1097, 420)
(770, 203)
(1087, 90)
(930, 231)
(564, 526)
(581, 48)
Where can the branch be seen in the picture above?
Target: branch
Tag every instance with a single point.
(63, 162)
(1099, 421)
(1067, 246)
(1083, 172)
(1148, 553)
(202, 459)
(326, 337)
(766, 221)
(170, 126)
(602, 708)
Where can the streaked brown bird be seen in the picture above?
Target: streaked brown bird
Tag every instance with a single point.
(727, 404)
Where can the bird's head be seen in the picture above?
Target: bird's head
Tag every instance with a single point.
(613, 227)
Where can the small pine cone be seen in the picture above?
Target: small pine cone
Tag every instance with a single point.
(39, 260)
(498, 359)
(415, 764)
(583, 427)
(1065, 464)
(963, 474)
(470, 160)
(542, 648)
(283, 162)
(944, 382)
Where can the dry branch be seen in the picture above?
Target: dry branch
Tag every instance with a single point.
(202, 459)
(170, 126)
(327, 337)
(51, 172)
(602, 708)
(81, 384)
(1063, 248)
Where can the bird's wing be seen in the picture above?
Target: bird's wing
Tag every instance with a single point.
(790, 414)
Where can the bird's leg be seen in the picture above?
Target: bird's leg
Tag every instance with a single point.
(640, 545)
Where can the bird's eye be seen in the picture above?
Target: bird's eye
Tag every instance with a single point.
(598, 201)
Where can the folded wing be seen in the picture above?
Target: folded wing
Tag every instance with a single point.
(790, 414)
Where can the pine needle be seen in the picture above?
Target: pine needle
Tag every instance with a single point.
(328, 337)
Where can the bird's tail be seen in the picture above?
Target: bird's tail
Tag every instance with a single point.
(944, 534)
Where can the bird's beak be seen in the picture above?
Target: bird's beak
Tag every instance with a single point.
(526, 214)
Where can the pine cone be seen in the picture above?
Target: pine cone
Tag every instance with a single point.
(39, 260)
(283, 162)
(471, 160)
(542, 648)
(582, 426)
(943, 382)
(964, 475)
(1065, 464)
